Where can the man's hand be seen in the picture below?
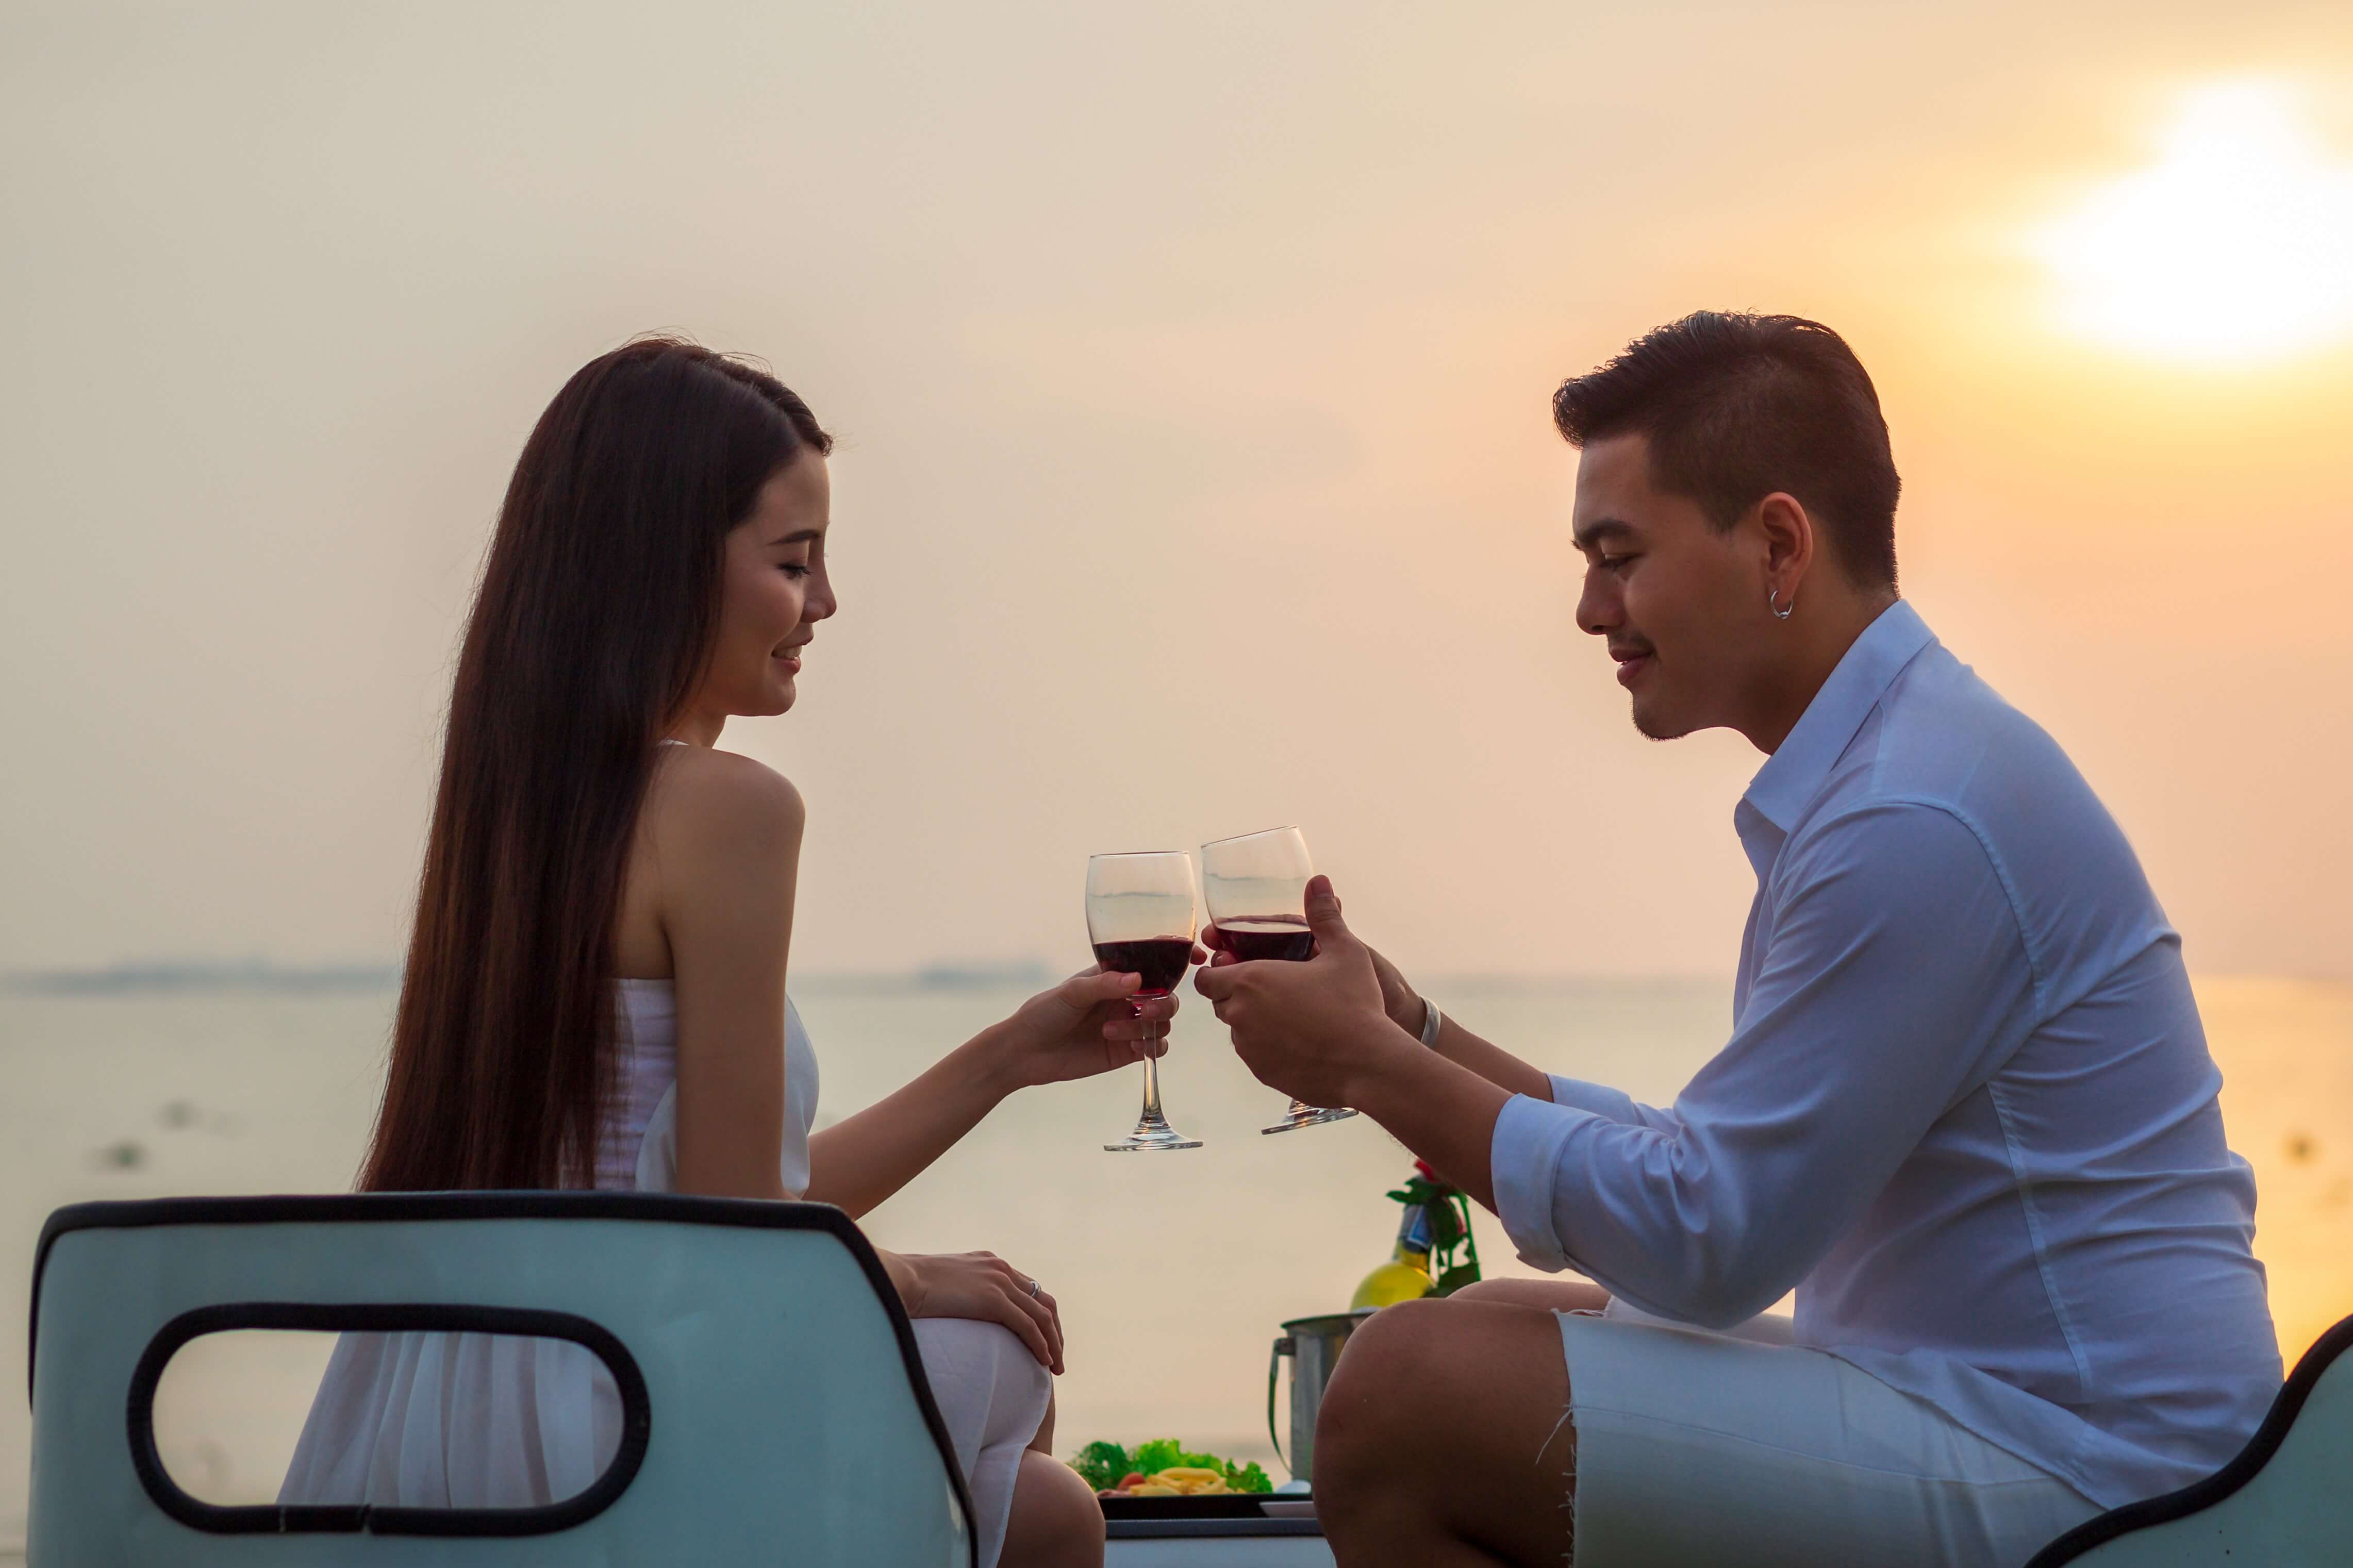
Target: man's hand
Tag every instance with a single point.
(1312, 1030)
(1400, 1000)
(1326, 1031)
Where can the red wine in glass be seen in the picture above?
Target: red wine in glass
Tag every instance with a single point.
(1159, 961)
(1289, 941)
(1257, 890)
(1140, 922)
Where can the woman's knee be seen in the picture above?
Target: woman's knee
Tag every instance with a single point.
(971, 1339)
(982, 1362)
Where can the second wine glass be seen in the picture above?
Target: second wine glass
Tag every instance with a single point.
(1140, 921)
(1256, 888)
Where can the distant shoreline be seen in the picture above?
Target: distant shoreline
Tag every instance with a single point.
(186, 977)
(190, 977)
(171, 977)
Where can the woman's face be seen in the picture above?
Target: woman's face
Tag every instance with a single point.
(774, 593)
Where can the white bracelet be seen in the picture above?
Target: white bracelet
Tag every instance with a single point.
(1430, 1021)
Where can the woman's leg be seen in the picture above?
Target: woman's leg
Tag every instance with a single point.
(997, 1402)
(1056, 1521)
(1044, 1441)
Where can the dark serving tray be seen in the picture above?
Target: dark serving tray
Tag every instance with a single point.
(1217, 1505)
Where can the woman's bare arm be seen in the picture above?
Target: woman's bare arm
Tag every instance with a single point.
(863, 1159)
(725, 845)
(720, 848)
(1081, 1027)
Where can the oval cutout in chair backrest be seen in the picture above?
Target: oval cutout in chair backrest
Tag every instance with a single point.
(503, 1322)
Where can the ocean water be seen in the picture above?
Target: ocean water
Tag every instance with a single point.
(1172, 1270)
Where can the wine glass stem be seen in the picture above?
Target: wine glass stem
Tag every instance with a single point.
(1152, 1113)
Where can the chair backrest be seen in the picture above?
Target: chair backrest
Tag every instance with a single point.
(2285, 1501)
(775, 1408)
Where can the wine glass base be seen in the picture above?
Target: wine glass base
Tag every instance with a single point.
(1308, 1116)
(1145, 1140)
(1151, 1132)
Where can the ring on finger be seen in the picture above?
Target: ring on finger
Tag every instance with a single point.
(1033, 1289)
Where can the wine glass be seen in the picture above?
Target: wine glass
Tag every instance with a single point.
(1140, 919)
(1256, 888)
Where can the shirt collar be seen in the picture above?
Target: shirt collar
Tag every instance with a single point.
(1794, 774)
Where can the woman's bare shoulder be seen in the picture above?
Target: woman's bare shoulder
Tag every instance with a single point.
(701, 797)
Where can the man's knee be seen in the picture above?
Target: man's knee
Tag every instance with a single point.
(1569, 1295)
(1401, 1470)
(1488, 1291)
(1395, 1341)
(1374, 1402)
(1371, 1396)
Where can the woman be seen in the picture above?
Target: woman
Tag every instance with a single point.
(595, 986)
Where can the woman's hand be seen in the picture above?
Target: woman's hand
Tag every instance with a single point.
(983, 1287)
(1085, 1025)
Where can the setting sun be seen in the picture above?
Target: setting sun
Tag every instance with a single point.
(2235, 243)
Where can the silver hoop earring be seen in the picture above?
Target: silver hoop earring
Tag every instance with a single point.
(1773, 603)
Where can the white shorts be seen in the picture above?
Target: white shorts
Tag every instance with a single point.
(1697, 1448)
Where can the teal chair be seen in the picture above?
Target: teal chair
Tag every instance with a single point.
(774, 1408)
(2285, 1501)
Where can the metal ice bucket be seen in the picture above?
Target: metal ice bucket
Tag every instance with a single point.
(1313, 1346)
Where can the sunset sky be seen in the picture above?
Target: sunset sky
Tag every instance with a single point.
(1191, 367)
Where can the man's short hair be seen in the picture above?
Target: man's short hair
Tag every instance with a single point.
(1736, 407)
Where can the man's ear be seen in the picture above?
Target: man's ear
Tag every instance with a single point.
(1787, 531)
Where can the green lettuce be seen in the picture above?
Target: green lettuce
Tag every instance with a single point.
(1249, 1479)
(1166, 1453)
(1104, 1465)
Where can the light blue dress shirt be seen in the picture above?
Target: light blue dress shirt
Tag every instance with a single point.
(1966, 1110)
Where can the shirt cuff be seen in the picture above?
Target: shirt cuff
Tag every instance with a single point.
(1523, 1161)
(1607, 1103)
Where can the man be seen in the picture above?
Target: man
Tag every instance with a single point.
(1965, 1112)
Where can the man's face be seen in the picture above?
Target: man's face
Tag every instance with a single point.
(1681, 604)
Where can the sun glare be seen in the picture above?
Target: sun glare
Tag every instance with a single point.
(2235, 244)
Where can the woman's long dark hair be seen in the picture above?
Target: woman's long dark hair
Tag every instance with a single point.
(598, 605)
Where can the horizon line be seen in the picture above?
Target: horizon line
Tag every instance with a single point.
(164, 975)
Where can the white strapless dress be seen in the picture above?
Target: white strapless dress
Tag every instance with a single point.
(435, 1420)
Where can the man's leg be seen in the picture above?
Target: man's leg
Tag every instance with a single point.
(1552, 1295)
(1444, 1438)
